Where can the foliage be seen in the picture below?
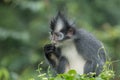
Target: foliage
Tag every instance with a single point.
(106, 74)
(4, 74)
(72, 75)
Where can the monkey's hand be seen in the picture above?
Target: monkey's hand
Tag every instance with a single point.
(51, 54)
(49, 49)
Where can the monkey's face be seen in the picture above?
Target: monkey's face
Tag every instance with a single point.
(61, 30)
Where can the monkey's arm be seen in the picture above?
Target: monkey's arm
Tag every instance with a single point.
(63, 65)
(58, 62)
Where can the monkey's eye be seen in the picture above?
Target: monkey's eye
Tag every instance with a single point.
(56, 35)
(60, 35)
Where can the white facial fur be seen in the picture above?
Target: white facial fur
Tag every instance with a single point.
(59, 25)
(74, 58)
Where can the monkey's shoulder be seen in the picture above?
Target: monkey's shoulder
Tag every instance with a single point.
(86, 43)
(87, 37)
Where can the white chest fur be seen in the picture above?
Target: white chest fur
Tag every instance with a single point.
(75, 60)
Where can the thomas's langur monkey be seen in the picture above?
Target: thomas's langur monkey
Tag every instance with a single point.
(73, 48)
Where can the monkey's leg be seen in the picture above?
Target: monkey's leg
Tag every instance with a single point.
(92, 66)
(63, 65)
(88, 67)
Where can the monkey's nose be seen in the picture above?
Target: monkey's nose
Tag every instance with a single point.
(53, 42)
(54, 39)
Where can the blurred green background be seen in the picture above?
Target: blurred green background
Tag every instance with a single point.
(24, 27)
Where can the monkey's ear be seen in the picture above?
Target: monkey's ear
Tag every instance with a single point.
(71, 32)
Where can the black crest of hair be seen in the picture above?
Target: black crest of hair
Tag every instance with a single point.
(60, 15)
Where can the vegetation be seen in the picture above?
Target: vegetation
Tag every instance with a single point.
(106, 74)
(24, 26)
